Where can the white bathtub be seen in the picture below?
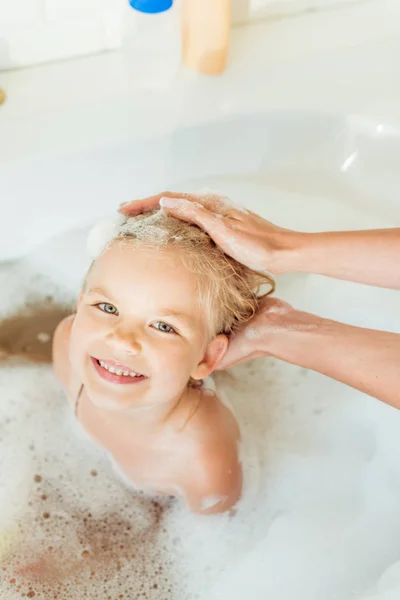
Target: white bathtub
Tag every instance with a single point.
(320, 515)
(51, 195)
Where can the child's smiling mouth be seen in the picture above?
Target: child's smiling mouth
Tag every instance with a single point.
(116, 373)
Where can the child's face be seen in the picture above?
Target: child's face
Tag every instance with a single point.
(139, 314)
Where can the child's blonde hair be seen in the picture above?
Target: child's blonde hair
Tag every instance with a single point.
(230, 290)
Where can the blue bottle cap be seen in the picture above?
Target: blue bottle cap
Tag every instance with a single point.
(151, 6)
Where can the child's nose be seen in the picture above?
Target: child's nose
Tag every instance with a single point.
(125, 341)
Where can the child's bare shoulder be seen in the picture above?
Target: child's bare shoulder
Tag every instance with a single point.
(212, 473)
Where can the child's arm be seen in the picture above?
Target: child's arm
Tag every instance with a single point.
(214, 483)
(61, 363)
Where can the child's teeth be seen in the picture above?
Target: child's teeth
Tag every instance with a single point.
(118, 371)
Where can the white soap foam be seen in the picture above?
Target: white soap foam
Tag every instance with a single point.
(319, 517)
(103, 233)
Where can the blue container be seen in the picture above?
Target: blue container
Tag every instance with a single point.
(151, 6)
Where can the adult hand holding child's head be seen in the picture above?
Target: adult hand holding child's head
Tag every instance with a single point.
(243, 235)
(273, 331)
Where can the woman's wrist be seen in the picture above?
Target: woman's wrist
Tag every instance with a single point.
(289, 254)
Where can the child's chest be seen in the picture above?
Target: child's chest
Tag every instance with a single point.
(148, 462)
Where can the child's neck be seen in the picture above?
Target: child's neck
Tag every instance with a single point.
(147, 418)
(155, 416)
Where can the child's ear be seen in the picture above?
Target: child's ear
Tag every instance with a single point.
(214, 353)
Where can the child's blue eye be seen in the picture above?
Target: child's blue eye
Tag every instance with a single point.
(107, 308)
(163, 327)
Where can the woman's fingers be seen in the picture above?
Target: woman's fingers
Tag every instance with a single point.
(193, 212)
(183, 206)
(210, 201)
(211, 213)
(240, 349)
(137, 207)
(236, 356)
(245, 344)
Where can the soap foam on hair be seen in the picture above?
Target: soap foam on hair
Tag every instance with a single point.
(146, 227)
(103, 233)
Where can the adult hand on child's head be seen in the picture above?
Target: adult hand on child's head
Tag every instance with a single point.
(269, 333)
(243, 235)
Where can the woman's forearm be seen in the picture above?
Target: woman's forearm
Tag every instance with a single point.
(370, 257)
(365, 359)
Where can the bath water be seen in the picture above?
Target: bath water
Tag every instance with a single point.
(319, 518)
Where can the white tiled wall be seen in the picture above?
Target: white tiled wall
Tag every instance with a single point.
(35, 31)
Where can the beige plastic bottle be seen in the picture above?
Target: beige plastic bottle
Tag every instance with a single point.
(206, 26)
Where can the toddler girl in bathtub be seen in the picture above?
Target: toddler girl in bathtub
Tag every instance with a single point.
(152, 323)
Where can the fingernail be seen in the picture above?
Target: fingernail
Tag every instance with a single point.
(124, 204)
(169, 202)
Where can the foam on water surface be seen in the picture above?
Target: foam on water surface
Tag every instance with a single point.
(320, 514)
